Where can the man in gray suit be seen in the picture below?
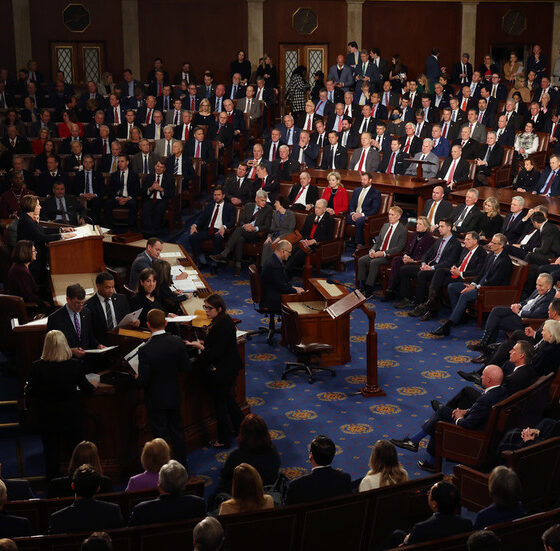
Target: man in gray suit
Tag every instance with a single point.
(365, 158)
(341, 74)
(390, 241)
(249, 104)
(429, 171)
(164, 147)
(144, 161)
(175, 116)
(478, 130)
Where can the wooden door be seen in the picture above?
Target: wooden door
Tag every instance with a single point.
(79, 61)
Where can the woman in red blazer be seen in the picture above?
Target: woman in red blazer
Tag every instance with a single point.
(335, 195)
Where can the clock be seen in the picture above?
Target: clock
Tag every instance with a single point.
(305, 21)
(76, 18)
(514, 23)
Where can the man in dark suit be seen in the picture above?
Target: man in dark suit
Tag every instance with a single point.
(124, 188)
(458, 116)
(335, 157)
(73, 163)
(318, 227)
(221, 131)
(283, 167)
(394, 161)
(303, 196)
(470, 262)
(198, 147)
(114, 114)
(235, 90)
(254, 221)
(549, 248)
(154, 130)
(469, 147)
(324, 481)
(454, 169)
(274, 279)
(160, 361)
(513, 118)
(353, 55)
(490, 155)
(11, 526)
(212, 222)
(514, 225)
(7, 99)
(496, 271)
(50, 176)
(272, 145)
(180, 164)
(496, 88)
(437, 208)
(45, 122)
(552, 128)
(145, 114)
(410, 143)
(158, 190)
(17, 489)
(304, 152)
(101, 145)
(505, 133)
(86, 514)
(75, 322)
(367, 71)
(444, 253)
(473, 418)
(365, 201)
(536, 116)
(319, 137)
(165, 102)
(62, 207)
(129, 84)
(238, 189)
(390, 241)
(462, 71)
(126, 126)
(110, 162)
(171, 504)
(549, 181)
(107, 307)
(154, 246)
(347, 137)
(144, 162)
(444, 501)
(266, 182)
(14, 143)
(235, 117)
(183, 131)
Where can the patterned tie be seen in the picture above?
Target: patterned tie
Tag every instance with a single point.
(77, 325)
(109, 315)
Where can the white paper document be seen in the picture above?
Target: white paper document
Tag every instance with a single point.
(180, 319)
(100, 350)
(132, 358)
(130, 318)
(173, 254)
(186, 285)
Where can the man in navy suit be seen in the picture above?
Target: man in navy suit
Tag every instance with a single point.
(513, 225)
(89, 185)
(473, 418)
(124, 187)
(549, 182)
(552, 128)
(211, 224)
(364, 202)
(442, 146)
(496, 271)
(290, 133)
(107, 307)
(505, 133)
(367, 71)
(158, 190)
(114, 114)
(334, 155)
(171, 504)
(433, 68)
(10, 525)
(462, 71)
(324, 481)
(353, 55)
(305, 152)
(497, 89)
(235, 117)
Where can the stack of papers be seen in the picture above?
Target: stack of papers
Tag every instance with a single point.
(100, 350)
(173, 254)
(180, 319)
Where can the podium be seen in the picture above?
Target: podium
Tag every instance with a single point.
(419, 169)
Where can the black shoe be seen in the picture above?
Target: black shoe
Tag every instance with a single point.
(420, 310)
(388, 296)
(237, 271)
(367, 291)
(406, 444)
(430, 314)
(442, 330)
(475, 346)
(426, 466)
(472, 377)
(436, 404)
(219, 258)
(482, 359)
(404, 303)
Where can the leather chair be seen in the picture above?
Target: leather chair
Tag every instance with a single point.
(539, 157)
(256, 297)
(308, 354)
(500, 176)
(10, 307)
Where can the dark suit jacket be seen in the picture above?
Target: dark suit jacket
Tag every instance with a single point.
(150, 131)
(550, 241)
(476, 263)
(370, 204)
(495, 272)
(132, 185)
(73, 163)
(14, 527)
(167, 183)
(140, 262)
(206, 150)
(516, 228)
(324, 231)
(456, 70)
(353, 140)
(263, 219)
(74, 209)
(470, 149)
(400, 163)
(438, 526)
(61, 320)
(228, 214)
(122, 129)
(283, 170)
(554, 188)
(98, 317)
(311, 197)
(415, 145)
(340, 160)
(275, 283)
(167, 508)
(22, 145)
(86, 515)
(17, 489)
(477, 415)
(495, 158)
(51, 126)
(539, 309)
(322, 483)
(520, 378)
(270, 185)
(309, 155)
(471, 221)
(244, 192)
(507, 137)
(448, 257)
(110, 114)
(444, 209)
(514, 121)
(187, 169)
(223, 134)
(160, 361)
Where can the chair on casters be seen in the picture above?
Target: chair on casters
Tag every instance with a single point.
(256, 296)
(309, 355)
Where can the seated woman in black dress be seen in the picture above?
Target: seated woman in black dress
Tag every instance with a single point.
(204, 116)
(20, 281)
(40, 163)
(55, 386)
(84, 453)
(254, 447)
(146, 296)
(133, 144)
(491, 221)
(223, 363)
(527, 177)
(167, 298)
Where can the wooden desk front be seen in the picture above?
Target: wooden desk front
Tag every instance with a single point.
(384, 183)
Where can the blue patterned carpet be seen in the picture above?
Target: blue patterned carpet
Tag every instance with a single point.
(413, 369)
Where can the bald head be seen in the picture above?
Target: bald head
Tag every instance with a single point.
(492, 376)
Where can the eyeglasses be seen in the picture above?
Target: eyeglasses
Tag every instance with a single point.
(207, 307)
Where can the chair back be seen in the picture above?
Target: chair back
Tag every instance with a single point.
(255, 282)
(10, 307)
(290, 325)
(339, 225)
(508, 155)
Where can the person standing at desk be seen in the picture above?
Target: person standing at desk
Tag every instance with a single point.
(160, 361)
(75, 322)
(146, 295)
(55, 385)
(154, 246)
(107, 307)
(219, 353)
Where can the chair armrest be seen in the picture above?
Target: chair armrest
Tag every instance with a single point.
(458, 444)
(534, 323)
(497, 295)
(362, 251)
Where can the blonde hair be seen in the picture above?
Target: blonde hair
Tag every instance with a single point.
(336, 175)
(3, 493)
(205, 102)
(495, 206)
(384, 460)
(85, 453)
(425, 222)
(155, 454)
(55, 347)
(247, 487)
(396, 210)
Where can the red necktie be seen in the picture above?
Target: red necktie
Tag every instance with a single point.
(407, 145)
(345, 111)
(154, 192)
(553, 130)
(386, 99)
(463, 264)
(300, 192)
(362, 160)
(117, 121)
(339, 124)
(391, 163)
(386, 240)
(548, 183)
(308, 122)
(314, 228)
(186, 133)
(480, 117)
(197, 152)
(464, 104)
(319, 105)
(159, 89)
(452, 172)
(211, 228)
(470, 127)
(149, 116)
(192, 104)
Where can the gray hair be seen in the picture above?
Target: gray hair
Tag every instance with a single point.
(546, 277)
(493, 132)
(428, 140)
(284, 147)
(169, 127)
(173, 477)
(208, 535)
(552, 326)
(322, 203)
(519, 199)
(501, 238)
(262, 193)
(473, 190)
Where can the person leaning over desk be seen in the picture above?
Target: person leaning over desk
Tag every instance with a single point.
(55, 385)
(221, 359)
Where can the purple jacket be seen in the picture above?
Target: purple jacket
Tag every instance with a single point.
(144, 481)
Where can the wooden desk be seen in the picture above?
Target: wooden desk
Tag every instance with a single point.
(317, 325)
(505, 195)
(384, 183)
